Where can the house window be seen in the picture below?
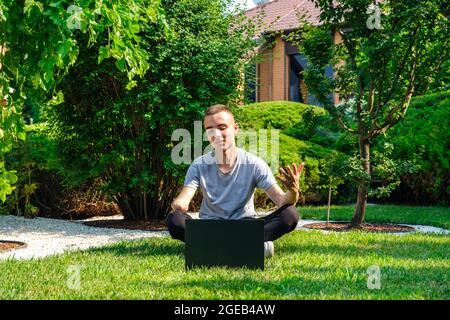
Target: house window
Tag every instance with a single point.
(297, 88)
(298, 91)
(250, 83)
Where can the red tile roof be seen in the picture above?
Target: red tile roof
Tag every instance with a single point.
(283, 14)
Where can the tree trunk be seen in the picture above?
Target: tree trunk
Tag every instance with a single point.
(360, 207)
(153, 200)
(131, 204)
(138, 204)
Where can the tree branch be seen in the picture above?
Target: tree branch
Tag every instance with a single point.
(370, 102)
(391, 120)
(344, 126)
(339, 117)
(402, 66)
(359, 105)
(349, 46)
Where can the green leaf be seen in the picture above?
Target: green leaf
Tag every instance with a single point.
(37, 80)
(29, 4)
(103, 53)
(120, 64)
(11, 176)
(29, 189)
(22, 135)
(57, 99)
(64, 48)
(131, 85)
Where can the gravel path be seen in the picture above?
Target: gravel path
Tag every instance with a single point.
(45, 237)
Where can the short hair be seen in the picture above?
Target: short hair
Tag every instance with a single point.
(216, 109)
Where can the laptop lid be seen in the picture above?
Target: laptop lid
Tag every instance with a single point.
(232, 243)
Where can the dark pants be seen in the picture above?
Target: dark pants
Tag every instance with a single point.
(276, 224)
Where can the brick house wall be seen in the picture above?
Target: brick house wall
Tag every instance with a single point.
(276, 79)
(272, 73)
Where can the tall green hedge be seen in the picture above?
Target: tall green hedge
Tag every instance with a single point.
(308, 134)
(424, 134)
(274, 114)
(301, 126)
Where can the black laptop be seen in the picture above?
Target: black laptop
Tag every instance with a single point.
(230, 243)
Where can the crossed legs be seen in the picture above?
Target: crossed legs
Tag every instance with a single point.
(278, 223)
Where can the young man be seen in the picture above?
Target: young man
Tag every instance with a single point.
(228, 177)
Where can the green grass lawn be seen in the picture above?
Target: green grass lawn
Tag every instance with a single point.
(307, 265)
(434, 216)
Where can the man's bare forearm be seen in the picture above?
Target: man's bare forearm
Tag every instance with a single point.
(290, 197)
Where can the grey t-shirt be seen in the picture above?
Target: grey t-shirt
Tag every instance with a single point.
(229, 195)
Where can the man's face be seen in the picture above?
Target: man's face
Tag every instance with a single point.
(221, 130)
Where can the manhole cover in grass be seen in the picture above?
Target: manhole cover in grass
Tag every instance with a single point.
(11, 245)
(368, 227)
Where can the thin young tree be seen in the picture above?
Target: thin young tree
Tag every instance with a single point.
(387, 49)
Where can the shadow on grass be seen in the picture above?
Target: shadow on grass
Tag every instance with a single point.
(164, 247)
(415, 249)
(299, 279)
(313, 283)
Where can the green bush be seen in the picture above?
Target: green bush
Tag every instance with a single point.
(300, 127)
(280, 115)
(296, 151)
(41, 188)
(319, 167)
(424, 134)
(346, 142)
(124, 137)
(294, 119)
(307, 134)
(32, 158)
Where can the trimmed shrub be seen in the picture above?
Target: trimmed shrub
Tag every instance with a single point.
(424, 134)
(294, 119)
(300, 127)
(280, 115)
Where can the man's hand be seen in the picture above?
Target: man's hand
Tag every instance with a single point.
(181, 203)
(290, 177)
(178, 205)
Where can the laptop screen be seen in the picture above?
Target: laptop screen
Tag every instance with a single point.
(230, 243)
